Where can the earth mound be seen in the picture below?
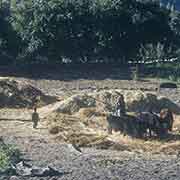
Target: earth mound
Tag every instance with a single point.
(16, 94)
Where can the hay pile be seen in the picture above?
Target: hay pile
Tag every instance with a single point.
(104, 101)
(75, 103)
(64, 123)
(71, 129)
(17, 94)
(81, 119)
(136, 101)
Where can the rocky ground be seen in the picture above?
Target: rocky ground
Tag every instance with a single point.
(94, 164)
(38, 148)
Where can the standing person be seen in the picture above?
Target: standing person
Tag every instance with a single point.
(35, 118)
(120, 106)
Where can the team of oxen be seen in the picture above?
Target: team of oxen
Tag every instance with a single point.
(142, 124)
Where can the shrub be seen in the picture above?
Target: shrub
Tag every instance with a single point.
(9, 154)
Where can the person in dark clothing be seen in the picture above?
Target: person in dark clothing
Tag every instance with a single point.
(35, 118)
(120, 106)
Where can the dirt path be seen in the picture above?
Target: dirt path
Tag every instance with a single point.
(25, 114)
(17, 122)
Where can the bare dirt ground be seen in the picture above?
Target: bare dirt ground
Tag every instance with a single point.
(39, 148)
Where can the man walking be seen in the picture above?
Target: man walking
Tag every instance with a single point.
(35, 118)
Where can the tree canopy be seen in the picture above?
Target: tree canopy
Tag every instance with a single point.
(112, 31)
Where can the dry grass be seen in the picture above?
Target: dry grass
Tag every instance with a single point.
(88, 128)
(119, 142)
(88, 112)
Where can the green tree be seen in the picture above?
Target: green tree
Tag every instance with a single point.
(9, 40)
(94, 30)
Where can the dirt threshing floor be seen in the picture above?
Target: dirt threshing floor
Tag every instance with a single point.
(122, 157)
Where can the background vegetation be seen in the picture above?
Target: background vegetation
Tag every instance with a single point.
(85, 31)
(9, 155)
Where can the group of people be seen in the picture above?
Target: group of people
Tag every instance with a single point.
(147, 121)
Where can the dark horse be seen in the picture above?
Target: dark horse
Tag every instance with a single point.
(145, 123)
(149, 122)
(157, 124)
(126, 124)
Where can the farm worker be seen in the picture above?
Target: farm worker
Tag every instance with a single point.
(120, 106)
(35, 118)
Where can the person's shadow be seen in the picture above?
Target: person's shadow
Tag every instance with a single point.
(21, 120)
(41, 128)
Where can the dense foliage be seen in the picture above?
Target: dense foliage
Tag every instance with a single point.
(9, 155)
(110, 31)
(9, 40)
